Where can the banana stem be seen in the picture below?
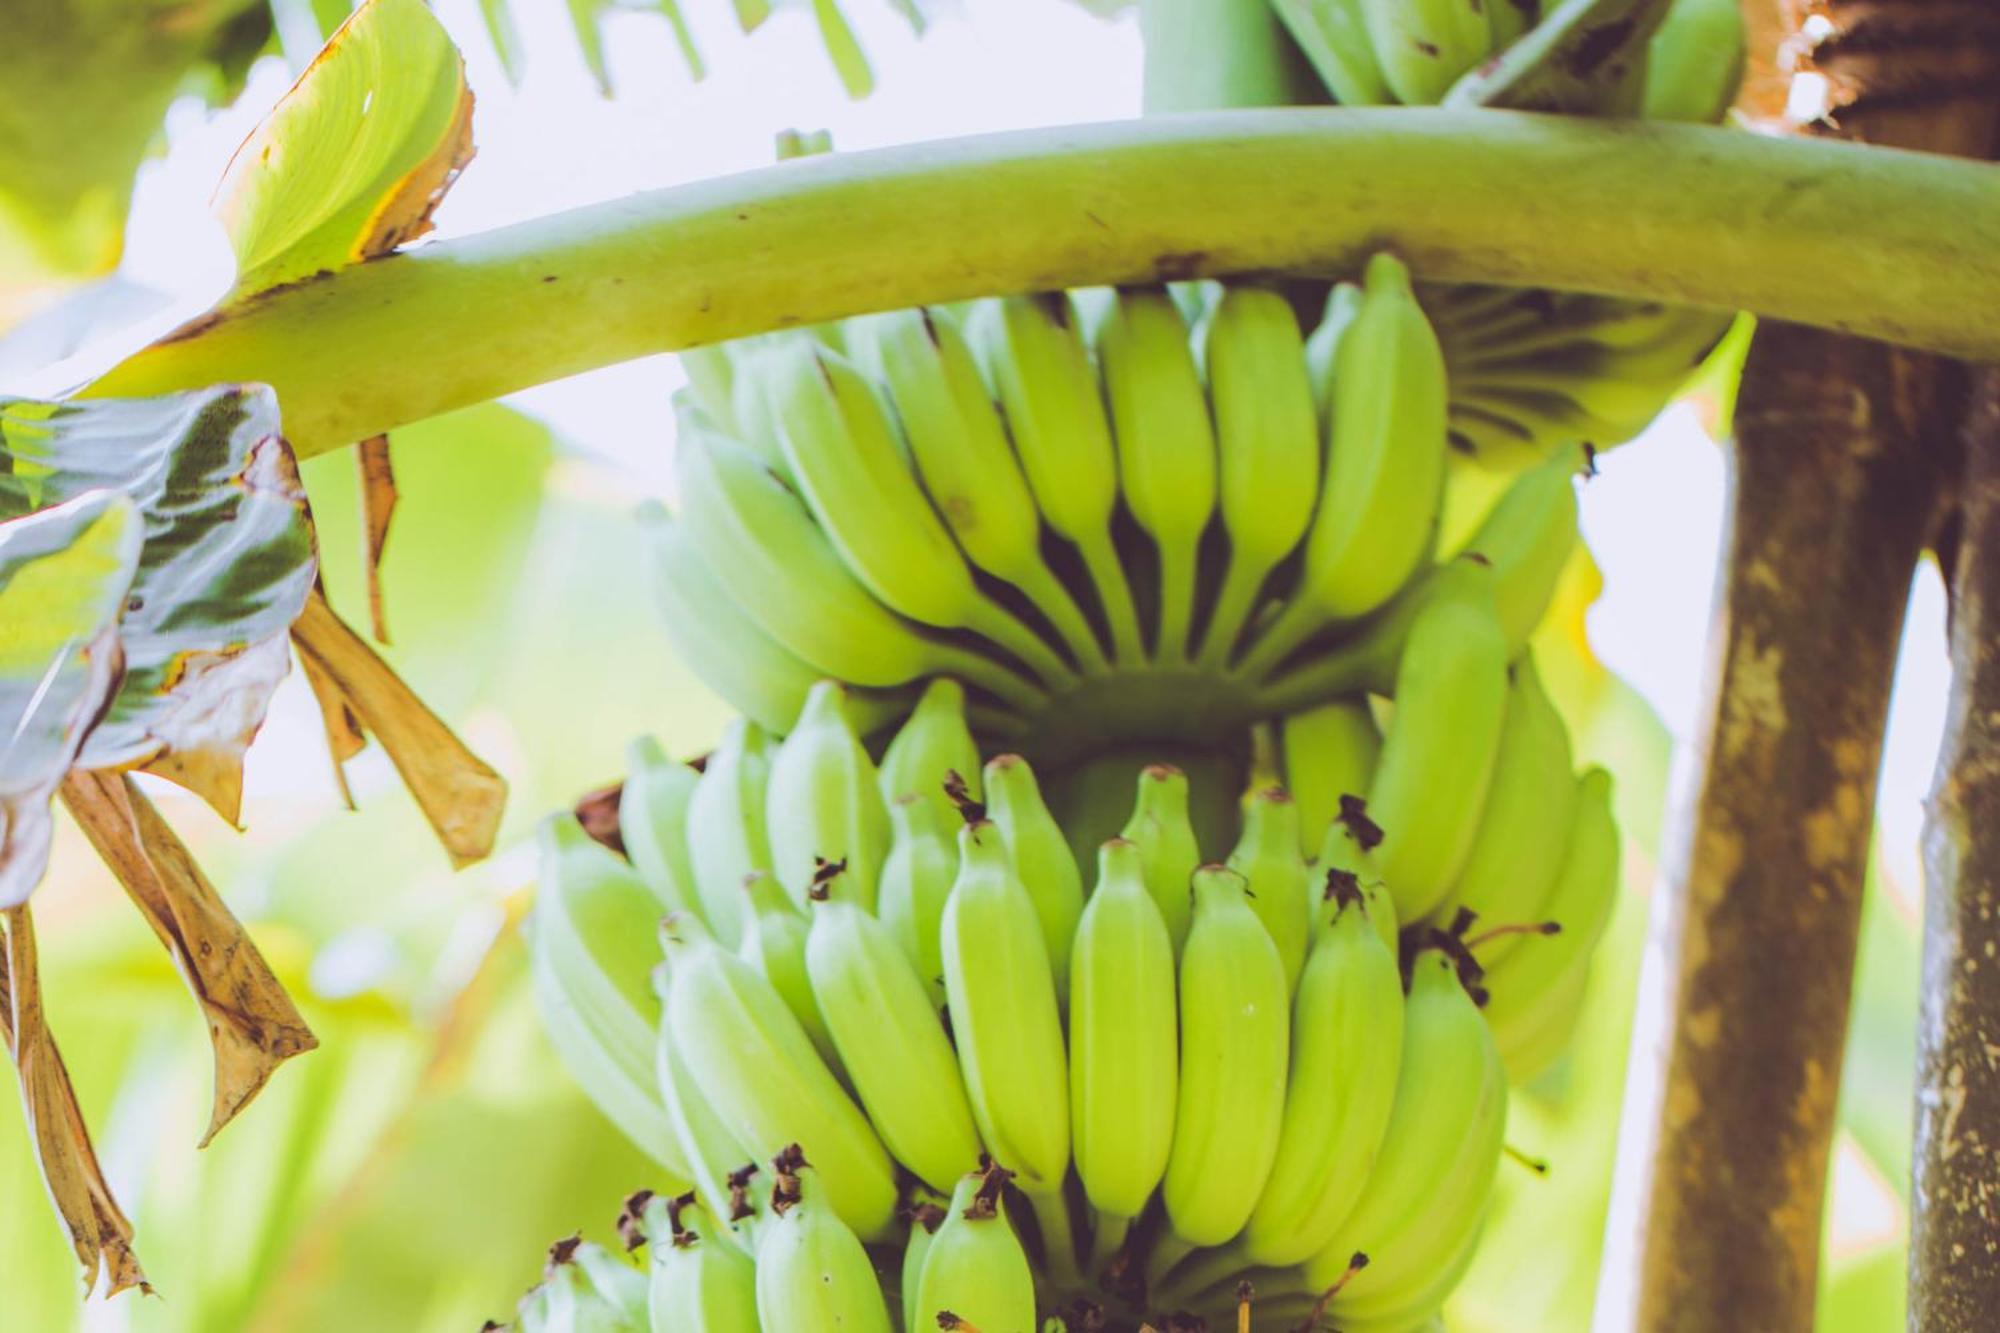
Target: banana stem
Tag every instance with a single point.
(1100, 559)
(1233, 605)
(1198, 1276)
(1177, 588)
(1046, 591)
(1106, 1237)
(984, 673)
(1006, 629)
(1168, 1251)
(1817, 232)
(1058, 1237)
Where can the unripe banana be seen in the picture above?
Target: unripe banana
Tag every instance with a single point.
(1268, 858)
(1446, 1086)
(1695, 62)
(975, 1271)
(591, 940)
(1438, 754)
(813, 1276)
(1345, 866)
(1235, 1023)
(1267, 433)
(1347, 1046)
(1166, 446)
(1424, 45)
(716, 638)
(916, 881)
(824, 802)
(1525, 826)
(854, 473)
(726, 835)
(755, 420)
(711, 382)
(1123, 1046)
(889, 1038)
(1041, 373)
(1329, 752)
(1041, 856)
(932, 745)
(721, 1171)
(585, 1290)
(762, 544)
(652, 823)
(1527, 539)
(1159, 827)
(961, 451)
(774, 942)
(699, 1283)
(1580, 903)
(1343, 303)
(757, 1067)
(1009, 1035)
(925, 1212)
(1384, 477)
(1334, 36)
(1506, 20)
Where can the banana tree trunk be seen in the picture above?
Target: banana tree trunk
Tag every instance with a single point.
(1759, 916)
(1955, 1227)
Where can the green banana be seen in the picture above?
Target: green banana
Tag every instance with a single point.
(754, 420)
(925, 1212)
(1580, 903)
(1438, 753)
(889, 1037)
(1423, 46)
(1507, 20)
(916, 880)
(1123, 1046)
(1695, 62)
(1334, 36)
(1343, 303)
(764, 547)
(720, 1169)
(1525, 825)
(854, 473)
(823, 801)
(1384, 476)
(585, 1290)
(1166, 446)
(1528, 539)
(1159, 827)
(711, 382)
(932, 744)
(1003, 1013)
(757, 1067)
(652, 823)
(1269, 859)
(1235, 1023)
(961, 450)
(813, 1276)
(1347, 1048)
(1446, 1087)
(591, 941)
(699, 1283)
(1041, 856)
(1041, 373)
(774, 942)
(1329, 752)
(725, 827)
(1267, 433)
(721, 644)
(975, 1273)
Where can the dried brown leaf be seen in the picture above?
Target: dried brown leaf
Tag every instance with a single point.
(252, 1023)
(98, 1229)
(458, 792)
(378, 505)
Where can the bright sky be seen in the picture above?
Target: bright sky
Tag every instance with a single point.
(1653, 517)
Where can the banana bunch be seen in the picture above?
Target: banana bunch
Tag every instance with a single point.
(1112, 516)
(1531, 368)
(932, 1078)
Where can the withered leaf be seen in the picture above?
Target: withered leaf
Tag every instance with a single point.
(378, 506)
(98, 1229)
(459, 793)
(252, 1023)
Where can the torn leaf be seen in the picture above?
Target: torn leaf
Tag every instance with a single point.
(64, 576)
(227, 560)
(459, 794)
(98, 1230)
(378, 505)
(252, 1023)
(353, 160)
